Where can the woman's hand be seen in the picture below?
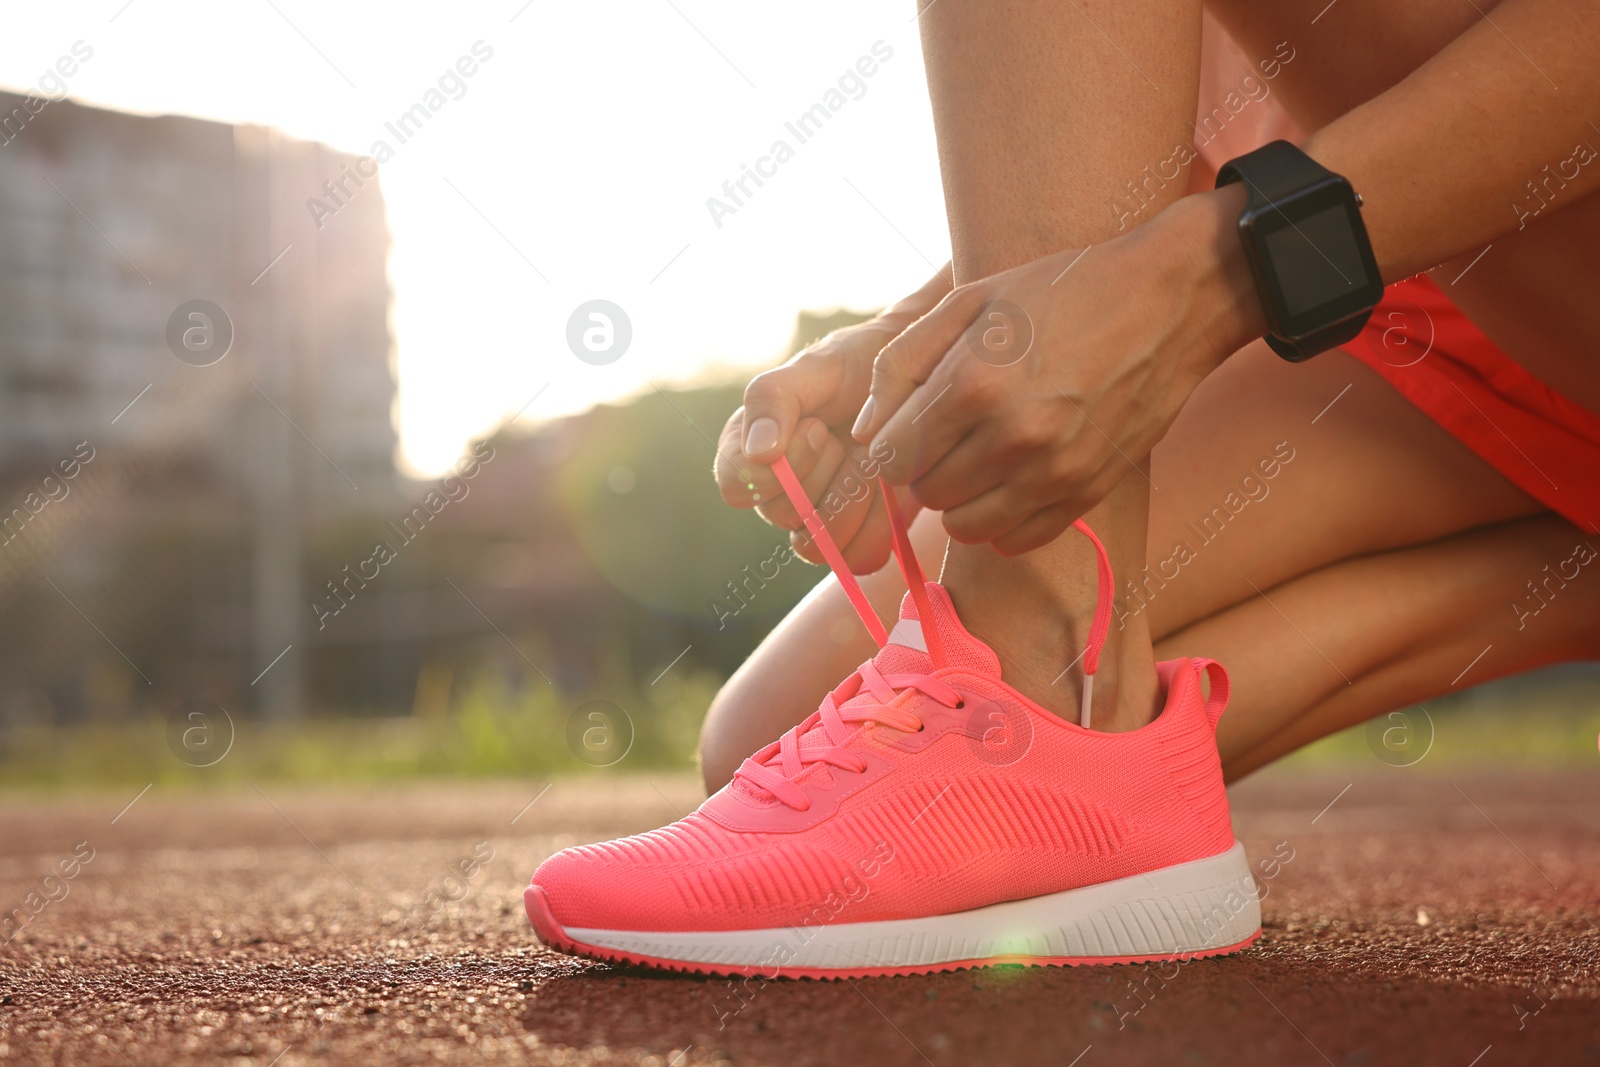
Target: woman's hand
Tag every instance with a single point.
(804, 409)
(1023, 398)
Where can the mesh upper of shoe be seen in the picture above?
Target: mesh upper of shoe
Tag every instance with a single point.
(944, 827)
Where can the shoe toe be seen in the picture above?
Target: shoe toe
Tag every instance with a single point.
(583, 888)
(628, 884)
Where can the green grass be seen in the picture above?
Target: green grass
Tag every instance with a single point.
(1546, 720)
(490, 731)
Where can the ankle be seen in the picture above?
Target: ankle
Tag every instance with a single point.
(1038, 625)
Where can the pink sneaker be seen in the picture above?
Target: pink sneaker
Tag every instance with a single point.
(929, 817)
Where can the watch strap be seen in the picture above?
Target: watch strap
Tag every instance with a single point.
(1302, 349)
(1277, 170)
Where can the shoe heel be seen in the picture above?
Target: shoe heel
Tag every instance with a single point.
(1191, 909)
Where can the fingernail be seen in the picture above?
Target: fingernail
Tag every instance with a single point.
(864, 419)
(763, 437)
(817, 437)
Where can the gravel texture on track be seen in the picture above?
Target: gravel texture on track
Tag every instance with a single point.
(1419, 918)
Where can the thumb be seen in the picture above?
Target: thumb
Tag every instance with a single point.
(775, 401)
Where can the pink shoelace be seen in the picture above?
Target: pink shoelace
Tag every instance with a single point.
(775, 767)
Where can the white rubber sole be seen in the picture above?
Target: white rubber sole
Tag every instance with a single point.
(1204, 907)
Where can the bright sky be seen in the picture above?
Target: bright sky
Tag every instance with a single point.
(590, 140)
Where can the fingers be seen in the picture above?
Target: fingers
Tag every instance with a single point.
(868, 550)
(989, 516)
(861, 531)
(1037, 530)
(844, 505)
(826, 380)
(815, 456)
(773, 404)
(1019, 514)
(954, 401)
(741, 482)
(908, 361)
(813, 453)
(844, 517)
(1009, 438)
(966, 472)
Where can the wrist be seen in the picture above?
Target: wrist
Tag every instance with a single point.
(1201, 233)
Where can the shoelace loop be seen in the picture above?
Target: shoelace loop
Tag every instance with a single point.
(758, 770)
(775, 767)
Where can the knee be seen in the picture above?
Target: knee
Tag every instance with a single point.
(720, 752)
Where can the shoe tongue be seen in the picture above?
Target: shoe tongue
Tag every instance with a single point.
(906, 653)
(907, 650)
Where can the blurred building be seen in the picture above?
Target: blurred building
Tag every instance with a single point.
(180, 524)
(109, 224)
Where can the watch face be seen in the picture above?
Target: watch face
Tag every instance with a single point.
(1313, 259)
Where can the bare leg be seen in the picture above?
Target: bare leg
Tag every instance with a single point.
(1332, 463)
(1384, 541)
(1374, 563)
(1345, 643)
(1042, 114)
(1402, 626)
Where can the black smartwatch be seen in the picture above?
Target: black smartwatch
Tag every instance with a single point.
(1307, 249)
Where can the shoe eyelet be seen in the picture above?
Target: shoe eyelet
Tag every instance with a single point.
(961, 703)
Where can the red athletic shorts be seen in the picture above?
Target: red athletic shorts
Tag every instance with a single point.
(1545, 444)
